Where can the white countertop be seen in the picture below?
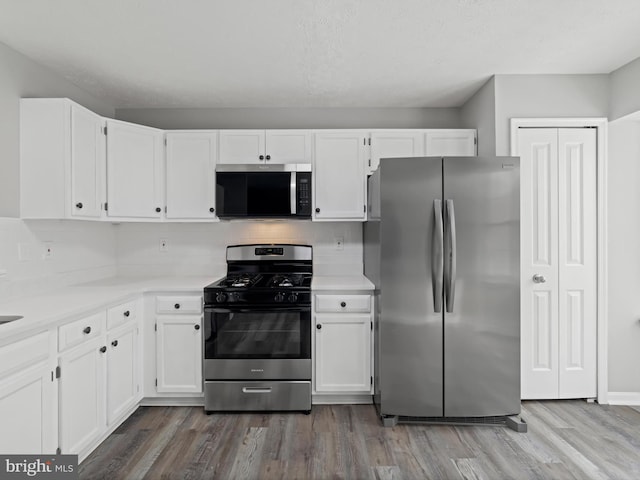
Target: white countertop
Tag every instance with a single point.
(57, 306)
(42, 311)
(341, 282)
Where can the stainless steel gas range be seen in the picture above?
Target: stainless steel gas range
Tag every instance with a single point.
(257, 330)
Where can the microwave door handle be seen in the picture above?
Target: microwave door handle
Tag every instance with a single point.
(293, 190)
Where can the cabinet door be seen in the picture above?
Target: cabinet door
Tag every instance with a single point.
(242, 146)
(339, 177)
(395, 144)
(191, 161)
(179, 354)
(288, 146)
(122, 372)
(88, 152)
(82, 395)
(28, 413)
(450, 143)
(134, 170)
(343, 353)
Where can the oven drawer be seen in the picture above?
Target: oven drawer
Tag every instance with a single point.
(244, 396)
(176, 304)
(343, 303)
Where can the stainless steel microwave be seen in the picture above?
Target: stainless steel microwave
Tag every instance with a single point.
(263, 191)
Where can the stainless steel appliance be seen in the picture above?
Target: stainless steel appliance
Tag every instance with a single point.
(257, 330)
(263, 191)
(443, 248)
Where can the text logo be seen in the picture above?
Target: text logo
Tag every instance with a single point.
(51, 467)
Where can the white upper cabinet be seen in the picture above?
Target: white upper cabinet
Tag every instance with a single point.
(288, 146)
(395, 143)
(450, 143)
(263, 146)
(134, 171)
(62, 160)
(191, 181)
(339, 176)
(88, 155)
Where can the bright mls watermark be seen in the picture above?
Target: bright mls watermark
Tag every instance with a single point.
(51, 467)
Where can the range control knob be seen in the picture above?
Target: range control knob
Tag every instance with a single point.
(221, 297)
(292, 297)
(279, 297)
(233, 297)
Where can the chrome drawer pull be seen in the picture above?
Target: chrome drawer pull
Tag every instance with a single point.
(256, 389)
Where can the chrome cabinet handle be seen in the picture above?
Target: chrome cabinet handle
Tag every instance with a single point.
(537, 278)
(437, 257)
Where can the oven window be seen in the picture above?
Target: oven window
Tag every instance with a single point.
(267, 334)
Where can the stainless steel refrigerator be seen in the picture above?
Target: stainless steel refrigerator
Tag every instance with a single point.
(442, 245)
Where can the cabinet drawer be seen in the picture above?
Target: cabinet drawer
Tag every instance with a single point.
(77, 332)
(176, 304)
(121, 314)
(343, 303)
(18, 355)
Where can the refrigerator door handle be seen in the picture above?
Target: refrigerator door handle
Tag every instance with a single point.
(450, 253)
(437, 257)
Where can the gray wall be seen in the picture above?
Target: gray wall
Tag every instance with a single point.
(624, 256)
(480, 112)
(214, 118)
(546, 96)
(624, 94)
(21, 77)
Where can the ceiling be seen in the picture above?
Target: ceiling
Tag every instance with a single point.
(314, 53)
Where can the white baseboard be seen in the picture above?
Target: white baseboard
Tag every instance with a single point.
(172, 401)
(338, 399)
(624, 398)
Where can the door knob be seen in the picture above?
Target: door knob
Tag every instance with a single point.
(539, 278)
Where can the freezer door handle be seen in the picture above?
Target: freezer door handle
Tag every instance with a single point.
(437, 257)
(450, 254)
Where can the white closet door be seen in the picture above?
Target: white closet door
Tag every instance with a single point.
(539, 256)
(558, 240)
(577, 262)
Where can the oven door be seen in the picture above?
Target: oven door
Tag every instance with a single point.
(262, 343)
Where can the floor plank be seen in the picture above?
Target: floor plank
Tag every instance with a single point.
(566, 440)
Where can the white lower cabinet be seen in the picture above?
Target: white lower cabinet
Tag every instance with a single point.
(82, 396)
(343, 328)
(178, 329)
(179, 354)
(122, 372)
(28, 412)
(99, 380)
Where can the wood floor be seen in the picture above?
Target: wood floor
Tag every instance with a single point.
(566, 439)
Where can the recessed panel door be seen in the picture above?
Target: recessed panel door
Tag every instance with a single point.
(539, 262)
(577, 289)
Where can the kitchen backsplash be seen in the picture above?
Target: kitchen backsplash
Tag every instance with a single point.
(43, 254)
(199, 249)
(40, 255)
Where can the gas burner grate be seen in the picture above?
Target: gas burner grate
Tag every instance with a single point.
(293, 280)
(244, 280)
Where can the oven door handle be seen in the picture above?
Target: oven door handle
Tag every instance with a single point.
(257, 309)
